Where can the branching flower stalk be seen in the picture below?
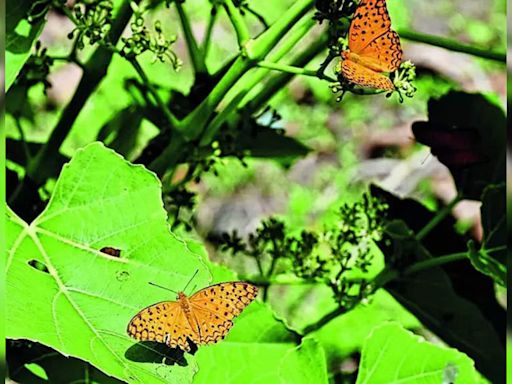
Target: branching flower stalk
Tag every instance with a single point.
(328, 257)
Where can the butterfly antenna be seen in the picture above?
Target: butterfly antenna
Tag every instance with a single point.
(159, 286)
(194, 275)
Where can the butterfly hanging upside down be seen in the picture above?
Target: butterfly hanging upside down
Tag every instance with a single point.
(373, 47)
(203, 318)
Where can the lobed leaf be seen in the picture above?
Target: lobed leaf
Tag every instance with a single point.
(63, 292)
(394, 355)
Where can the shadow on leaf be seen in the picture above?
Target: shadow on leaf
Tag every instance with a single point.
(153, 352)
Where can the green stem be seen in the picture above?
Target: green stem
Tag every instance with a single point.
(278, 81)
(282, 279)
(260, 267)
(173, 122)
(255, 50)
(220, 118)
(69, 14)
(434, 262)
(242, 32)
(209, 29)
(445, 211)
(452, 45)
(196, 56)
(269, 39)
(244, 86)
(323, 321)
(294, 70)
(24, 144)
(250, 80)
(387, 275)
(169, 157)
(44, 162)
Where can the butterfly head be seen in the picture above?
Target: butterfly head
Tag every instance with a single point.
(181, 296)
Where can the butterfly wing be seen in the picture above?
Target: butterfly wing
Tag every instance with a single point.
(370, 21)
(383, 54)
(376, 46)
(164, 322)
(214, 308)
(357, 74)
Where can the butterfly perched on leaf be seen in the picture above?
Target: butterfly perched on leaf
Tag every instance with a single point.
(373, 47)
(203, 318)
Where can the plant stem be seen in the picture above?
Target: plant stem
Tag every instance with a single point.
(323, 321)
(255, 50)
(250, 80)
(387, 275)
(445, 211)
(242, 32)
(43, 163)
(434, 262)
(173, 122)
(209, 29)
(284, 279)
(294, 70)
(212, 128)
(24, 144)
(257, 16)
(278, 81)
(169, 157)
(196, 56)
(452, 45)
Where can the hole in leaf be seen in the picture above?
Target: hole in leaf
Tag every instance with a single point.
(111, 251)
(36, 264)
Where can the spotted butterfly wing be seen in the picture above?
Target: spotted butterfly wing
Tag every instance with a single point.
(204, 318)
(370, 21)
(217, 305)
(361, 75)
(373, 47)
(163, 322)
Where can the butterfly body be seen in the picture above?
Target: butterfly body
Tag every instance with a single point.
(203, 318)
(373, 48)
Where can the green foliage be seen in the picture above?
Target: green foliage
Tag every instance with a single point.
(93, 22)
(79, 306)
(96, 203)
(446, 310)
(339, 256)
(227, 134)
(20, 37)
(491, 258)
(142, 41)
(393, 355)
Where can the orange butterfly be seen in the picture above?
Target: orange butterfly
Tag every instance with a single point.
(373, 47)
(204, 318)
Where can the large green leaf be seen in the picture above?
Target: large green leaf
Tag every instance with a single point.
(20, 37)
(64, 293)
(233, 363)
(393, 355)
(346, 333)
